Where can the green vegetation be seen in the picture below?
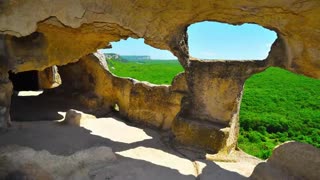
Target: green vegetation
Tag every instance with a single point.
(277, 105)
(154, 71)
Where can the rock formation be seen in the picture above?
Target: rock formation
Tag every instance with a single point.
(26, 163)
(37, 34)
(290, 160)
(49, 78)
(97, 89)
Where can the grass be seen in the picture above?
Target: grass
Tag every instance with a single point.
(277, 105)
(155, 71)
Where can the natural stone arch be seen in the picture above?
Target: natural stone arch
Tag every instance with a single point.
(68, 35)
(86, 13)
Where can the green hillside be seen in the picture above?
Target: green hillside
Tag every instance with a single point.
(277, 105)
(154, 71)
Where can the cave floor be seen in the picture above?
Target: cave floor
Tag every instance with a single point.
(141, 152)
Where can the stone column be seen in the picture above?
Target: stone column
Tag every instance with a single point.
(5, 85)
(5, 99)
(209, 116)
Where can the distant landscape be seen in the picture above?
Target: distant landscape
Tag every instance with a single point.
(127, 57)
(277, 105)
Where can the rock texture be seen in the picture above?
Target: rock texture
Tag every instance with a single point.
(212, 106)
(141, 153)
(75, 118)
(291, 160)
(25, 163)
(90, 80)
(5, 98)
(49, 78)
(38, 34)
(89, 25)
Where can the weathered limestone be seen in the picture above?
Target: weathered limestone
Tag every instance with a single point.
(209, 116)
(290, 160)
(70, 33)
(49, 78)
(41, 34)
(90, 80)
(76, 118)
(212, 106)
(25, 163)
(5, 100)
(5, 87)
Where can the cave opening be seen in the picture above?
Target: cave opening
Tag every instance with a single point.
(135, 59)
(221, 41)
(30, 100)
(25, 81)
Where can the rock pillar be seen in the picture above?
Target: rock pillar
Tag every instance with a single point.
(5, 86)
(209, 116)
(5, 99)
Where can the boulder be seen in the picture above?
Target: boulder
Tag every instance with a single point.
(26, 163)
(75, 118)
(290, 160)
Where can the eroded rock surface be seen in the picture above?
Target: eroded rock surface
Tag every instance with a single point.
(66, 34)
(202, 105)
(25, 163)
(5, 98)
(141, 153)
(74, 117)
(291, 160)
(211, 108)
(90, 80)
(49, 78)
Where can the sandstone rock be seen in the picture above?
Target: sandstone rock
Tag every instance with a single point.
(209, 116)
(49, 78)
(56, 34)
(291, 160)
(75, 118)
(23, 162)
(179, 83)
(5, 101)
(90, 24)
(141, 102)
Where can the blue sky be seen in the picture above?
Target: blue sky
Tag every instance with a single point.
(209, 40)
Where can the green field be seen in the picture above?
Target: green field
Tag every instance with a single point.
(155, 71)
(277, 105)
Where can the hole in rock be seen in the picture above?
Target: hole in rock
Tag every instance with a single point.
(116, 108)
(220, 41)
(25, 81)
(133, 58)
(30, 101)
(278, 106)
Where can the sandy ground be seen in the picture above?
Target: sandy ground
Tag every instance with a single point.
(141, 153)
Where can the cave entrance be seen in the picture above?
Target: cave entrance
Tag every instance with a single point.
(25, 81)
(221, 41)
(28, 102)
(133, 58)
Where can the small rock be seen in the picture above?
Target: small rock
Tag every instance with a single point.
(73, 117)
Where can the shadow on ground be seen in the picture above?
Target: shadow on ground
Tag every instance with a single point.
(141, 153)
